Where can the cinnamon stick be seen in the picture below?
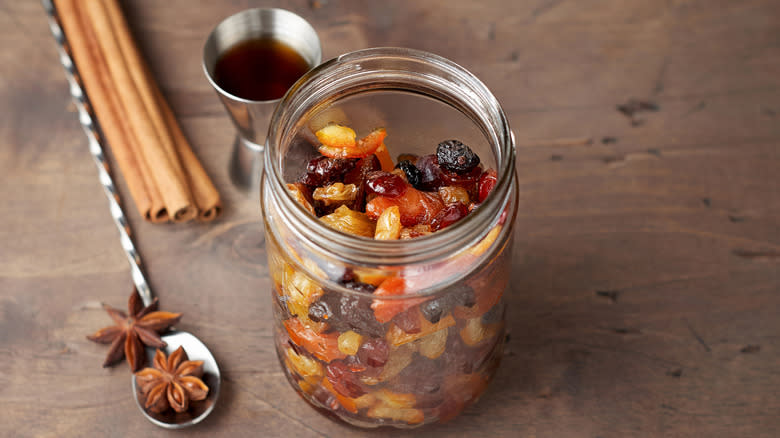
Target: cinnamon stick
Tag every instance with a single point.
(91, 66)
(203, 191)
(167, 177)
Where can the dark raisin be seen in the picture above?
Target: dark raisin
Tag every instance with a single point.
(456, 156)
(323, 170)
(358, 175)
(374, 352)
(433, 309)
(457, 295)
(344, 381)
(385, 184)
(413, 174)
(344, 311)
(449, 215)
(430, 173)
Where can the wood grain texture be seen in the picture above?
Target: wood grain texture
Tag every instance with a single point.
(647, 269)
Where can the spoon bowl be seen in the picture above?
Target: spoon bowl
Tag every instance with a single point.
(198, 410)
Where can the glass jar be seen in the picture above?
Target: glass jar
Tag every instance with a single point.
(429, 346)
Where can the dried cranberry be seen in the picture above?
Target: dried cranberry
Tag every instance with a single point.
(385, 184)
(358, 175)
(430, 173)
(467, 180)
(449, 215)
(413, 174)
(408, 321)
(374, 352)
(456, 156)
(344, 381)
(486, 183)
(323, 170)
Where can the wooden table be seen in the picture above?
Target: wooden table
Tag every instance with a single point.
(646, 288)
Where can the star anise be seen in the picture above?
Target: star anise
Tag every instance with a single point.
(131, 333)
(172, 383)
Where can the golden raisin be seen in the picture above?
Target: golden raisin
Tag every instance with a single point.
(336, 193)
(349, 221)
(452, 194)
(309, 369)
(388, 225)
(297, 194)
(349, 342)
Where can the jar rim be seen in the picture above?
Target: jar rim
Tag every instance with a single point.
(361, 250)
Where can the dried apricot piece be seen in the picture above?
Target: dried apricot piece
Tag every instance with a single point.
(416, 207)
(384, 158)
(385, 310)
(362, 148)
(323, 346)
(407, 415)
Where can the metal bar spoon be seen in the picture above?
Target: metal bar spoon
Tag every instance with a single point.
(195, 349)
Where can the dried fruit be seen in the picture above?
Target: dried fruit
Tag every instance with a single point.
(343, 380)
(475, 332)
(413, 174)
(448, 216)
(416, 207)
(307, 368)
(458, 295)
(486, 183)
(374, 352)
(397, 360)
(336, 193)
(385, 184)
(130, 333)
(396, 336)
(350, 221)
(340, 147)
(456, 156)
(300, 290)
(454, 194)
(467, 180)
(172, 383)
(323, 170)
(358, 175)
(349, 342)
(484, 244)
(388, 225)
(345, 402)
(395, 406)
(430, 173)
(298, 194)
(433, 345)
(384, 157)
(323, 346)
(336, 136)
(345, 312)
(416, 231)
(385, 310)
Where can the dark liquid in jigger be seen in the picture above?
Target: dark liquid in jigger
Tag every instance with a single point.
(259, 69)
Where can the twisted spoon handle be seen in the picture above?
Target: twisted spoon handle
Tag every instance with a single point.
(91, 127)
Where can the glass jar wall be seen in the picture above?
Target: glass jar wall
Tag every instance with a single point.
(399, 332)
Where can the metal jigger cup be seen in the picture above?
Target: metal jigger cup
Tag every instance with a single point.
(251, 117)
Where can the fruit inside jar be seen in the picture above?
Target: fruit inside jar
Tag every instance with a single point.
(377, 357)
